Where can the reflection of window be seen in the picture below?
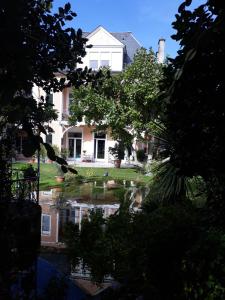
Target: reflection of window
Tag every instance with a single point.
(19, 144)
(104, 63)
(93, 64)
(21, 140)
(45, 224)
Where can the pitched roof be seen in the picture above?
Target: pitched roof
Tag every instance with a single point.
(131, 44)
(126, 38)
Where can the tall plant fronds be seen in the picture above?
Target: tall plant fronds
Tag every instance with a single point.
(168, 184)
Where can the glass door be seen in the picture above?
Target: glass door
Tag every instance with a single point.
(71, 148)
(100, 149)
(75, 144)
(77, 153)
(99, 145)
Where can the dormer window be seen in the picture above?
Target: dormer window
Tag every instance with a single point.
(104, 63)
(99, 59)
(93, 64)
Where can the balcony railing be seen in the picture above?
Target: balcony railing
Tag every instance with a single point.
(23, 187)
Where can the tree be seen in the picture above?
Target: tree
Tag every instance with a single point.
(164, 252)
(194, 112)
(125, 102)
(37, 46)
(173, 250)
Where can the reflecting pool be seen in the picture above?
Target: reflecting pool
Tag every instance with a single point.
(73, 202)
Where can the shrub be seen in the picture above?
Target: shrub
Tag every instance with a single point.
(141, 155)
(56, 149)
(64, 153)
(117, 151)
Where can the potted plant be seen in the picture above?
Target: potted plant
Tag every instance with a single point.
(60, 177)
(118, 153)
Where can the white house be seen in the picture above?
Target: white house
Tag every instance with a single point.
(115, 50)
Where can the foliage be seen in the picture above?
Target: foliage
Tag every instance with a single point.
(43, 47)
(71, 237)
(125, 100)
(60, 171)
(140, 250)
(173, 249)
(56, 150)
(141, 156)
(29, 172)
(193, 111)
(37, 46)
(117, 151)
(43, 152)
(64, 153)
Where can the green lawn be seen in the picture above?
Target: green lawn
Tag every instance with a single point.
(49, 171)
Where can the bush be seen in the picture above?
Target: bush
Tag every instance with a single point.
(43, 152)
(141, 155)
(64, 153)
(56, 149)
(117, 151)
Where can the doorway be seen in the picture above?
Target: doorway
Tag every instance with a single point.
(99, 146)
(75, 144)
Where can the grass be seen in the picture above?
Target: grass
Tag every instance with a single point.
(49, 171)
(113, 173)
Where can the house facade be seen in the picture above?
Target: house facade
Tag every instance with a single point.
(115, 50)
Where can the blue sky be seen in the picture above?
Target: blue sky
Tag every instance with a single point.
(148, 20)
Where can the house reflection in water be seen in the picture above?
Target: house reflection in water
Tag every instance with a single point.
(55, 214)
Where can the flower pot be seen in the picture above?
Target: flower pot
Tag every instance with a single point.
(117, 163)
(59, 179)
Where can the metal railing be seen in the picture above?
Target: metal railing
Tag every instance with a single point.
(24, 187)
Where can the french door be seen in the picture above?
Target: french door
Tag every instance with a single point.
(75, 144)
(99, 146)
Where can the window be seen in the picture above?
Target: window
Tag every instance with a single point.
(100, 135)
(49, 98)
(75, 134)
(104, 63)
(93, 64)
(45, 224)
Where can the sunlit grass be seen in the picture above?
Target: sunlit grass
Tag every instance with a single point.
(49, 171)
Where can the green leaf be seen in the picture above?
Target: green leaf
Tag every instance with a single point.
(181, 7)
(188, 2)
(29, 148)
(72, 170)
(61, 161)
(67, 7)
(50, 151)
(64, 169)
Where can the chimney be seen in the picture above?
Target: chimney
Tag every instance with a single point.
(161, 50)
